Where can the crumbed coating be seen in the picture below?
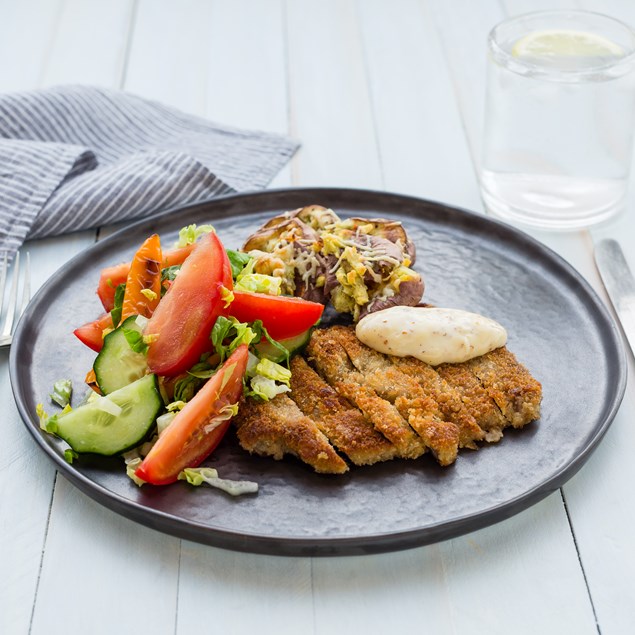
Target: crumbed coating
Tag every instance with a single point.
(447, 398)
(345, 426)
(331, 361)
(278, 427)
(419, 409)
(373, 407)
(475, 399)
(509, 383)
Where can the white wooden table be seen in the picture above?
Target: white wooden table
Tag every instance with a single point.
(382, 95)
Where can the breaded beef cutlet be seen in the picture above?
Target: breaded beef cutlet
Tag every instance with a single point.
(511, 386)
(373, 407)
(417, 408)
(404, 379)
(278, 427)
(346, 427)
(332, 363)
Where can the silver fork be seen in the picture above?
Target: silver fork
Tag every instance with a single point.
(7, 329)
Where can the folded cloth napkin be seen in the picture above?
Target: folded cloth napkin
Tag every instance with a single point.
(75, 157)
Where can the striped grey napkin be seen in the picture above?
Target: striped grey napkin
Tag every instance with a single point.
(75, 157)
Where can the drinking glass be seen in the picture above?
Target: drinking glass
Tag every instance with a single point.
(559, 118)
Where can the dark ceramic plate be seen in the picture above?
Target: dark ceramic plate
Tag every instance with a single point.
(557, 327)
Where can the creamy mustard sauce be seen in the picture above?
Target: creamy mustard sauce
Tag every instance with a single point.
(433, 335)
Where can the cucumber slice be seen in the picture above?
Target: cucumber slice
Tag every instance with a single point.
(292, 344)
(117, 365)
(109, 425)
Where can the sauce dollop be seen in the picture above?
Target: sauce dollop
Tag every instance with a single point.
(433, 335)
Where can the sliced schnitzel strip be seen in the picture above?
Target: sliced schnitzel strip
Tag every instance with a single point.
(413, 403)
(410, 378)
(332, 363)
(396, 389)
(475, 399)
(346, 427)
(509, 383)
(447, 398)
(278, 427)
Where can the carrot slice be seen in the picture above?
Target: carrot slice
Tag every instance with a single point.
(111, 277)
(143, 282)
(91, 380)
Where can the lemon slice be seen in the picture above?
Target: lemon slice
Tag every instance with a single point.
(559, 43)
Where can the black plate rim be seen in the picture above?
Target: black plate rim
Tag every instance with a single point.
(302, 546)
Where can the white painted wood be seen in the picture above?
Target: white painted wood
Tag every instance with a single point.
(479, 583)
(251, 92)
(330, 99)
(102, 573)
(26, 475)
(243, 593)
(90, 35)
(26, 32)
(421, 137)
(168, 53)
(492, 573)
(227, 65)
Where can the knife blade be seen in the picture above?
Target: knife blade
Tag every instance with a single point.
(619, 283)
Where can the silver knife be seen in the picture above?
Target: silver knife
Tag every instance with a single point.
(619, 283)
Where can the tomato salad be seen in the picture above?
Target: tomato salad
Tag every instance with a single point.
(186, 333)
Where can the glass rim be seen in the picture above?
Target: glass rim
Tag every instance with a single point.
(536, 68)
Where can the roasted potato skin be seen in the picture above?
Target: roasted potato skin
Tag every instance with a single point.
(381, 246)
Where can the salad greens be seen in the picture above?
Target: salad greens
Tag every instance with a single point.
(62, 391)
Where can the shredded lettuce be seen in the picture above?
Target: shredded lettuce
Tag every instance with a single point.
(238, 261)
(259, 283)
(49, 423)
(227, 296)
(131, 467)
(149, 293)
(190, 234)
(271, 370)
(168, 274)
(164, 421)
(258, 327)
(224, 414)
(247, 280)
(62, 391)
(141, 321)
(265, 388)
(175, 406)
(118, 305)
(136, 341)
(198, 475)
(70, 455)
(186, 388)
(236, 332)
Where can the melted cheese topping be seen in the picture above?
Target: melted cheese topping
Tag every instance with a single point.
(433, 335)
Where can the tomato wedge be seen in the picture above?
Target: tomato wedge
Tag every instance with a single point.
(183, 321)
(144, 277)
(282, 316)
(111, 277)
(192, 435)
(92, 333)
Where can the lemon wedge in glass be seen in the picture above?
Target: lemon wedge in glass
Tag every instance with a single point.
(556, 44)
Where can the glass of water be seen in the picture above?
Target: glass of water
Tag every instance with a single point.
(559, 118)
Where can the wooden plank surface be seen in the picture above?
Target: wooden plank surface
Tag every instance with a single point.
(384, 97)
